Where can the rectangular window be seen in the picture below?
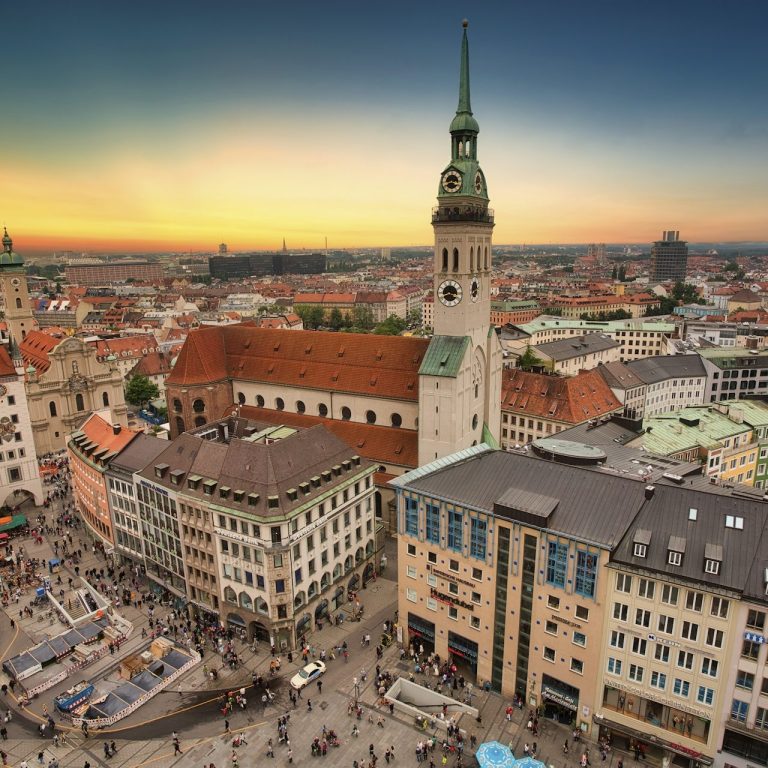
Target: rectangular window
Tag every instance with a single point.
(694, 600)
(669, 594)
(756, 619)
(586, 573)
(705, 695)
(579, 638)
(739, 711)
(646, 588)
(410, 571)
(761, 719)
(614, 666)
(550, 627)
(642, 618)
(636, 673)
(666, 624)
(690, 631)
(549, 653)
(750, 650)
(412, 550)
(453, 613)
(684, 660)
(411, 516)
(280, 586)
(639, 646)
(719, 607)
(433, 523)
(620, 611)
(474, 622)
(455, 529)
(681, 687)
(623, 582)
(715, 637)
(478, 529)
(675, 558)
(410, 595)
(577, 666)
(658, 680)
(557, 563)
(581, 613)
(745, 680)
(617, 639)
(709, 667)
(553, 602)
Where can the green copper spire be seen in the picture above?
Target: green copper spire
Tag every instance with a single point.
(464, 122)
(464, 105)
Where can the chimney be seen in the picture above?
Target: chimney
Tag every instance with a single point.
(649, 491)
(116, 429)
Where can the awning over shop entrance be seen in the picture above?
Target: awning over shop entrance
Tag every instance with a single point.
(11, 523)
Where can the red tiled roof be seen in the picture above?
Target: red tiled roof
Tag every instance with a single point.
(6, 364)
(38, 344)
(100, 432)
(572, 399)
(385, 366)
(388, 445)
(153, 364)
(126, 346)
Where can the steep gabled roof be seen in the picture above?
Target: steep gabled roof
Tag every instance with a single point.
(202, 359)
(6, 364)
(37, 345)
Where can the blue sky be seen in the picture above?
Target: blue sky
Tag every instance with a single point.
(599, 120)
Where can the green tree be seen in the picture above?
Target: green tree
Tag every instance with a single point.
(336, 320)
(311, 315)
(392, 326)
(140, 390)
(362, 317)
(529, 359)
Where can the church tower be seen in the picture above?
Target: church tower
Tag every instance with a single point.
(460, 379)
(13, 285)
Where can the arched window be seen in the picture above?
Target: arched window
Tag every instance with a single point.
(177, 405)
(312, 591)
(397, 420)
(474, 422)
(369, 548)
(198, 406)
(445, 259)
(105, 398)
(179, 424)
(337, 571)
(325, 581)
(455, 259)
(299, 600)
(472, 257)
(261, 606)
(346, 414)
(370, 417)
(240, 398)
(52, 408)
(359, 555)
(245, 601)
(199, 421)
(486, 257)
(260, 401)
(279, 403)
(477, 390)
(18, 303)
(230, 595)
(300, 407)
(79, 403)
(322, 409)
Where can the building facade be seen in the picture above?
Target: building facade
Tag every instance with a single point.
(112, 272)
(669, 258)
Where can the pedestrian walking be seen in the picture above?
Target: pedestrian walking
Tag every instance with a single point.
(226, 727)
(319, 686)
(270, 749)
(290, 755)
(309, 705)
(176, 746)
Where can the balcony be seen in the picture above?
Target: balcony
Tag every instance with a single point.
(460, 213)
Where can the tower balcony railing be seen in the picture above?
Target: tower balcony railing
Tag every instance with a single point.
(446, 213)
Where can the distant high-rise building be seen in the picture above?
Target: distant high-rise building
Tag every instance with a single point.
(260, 264)
(596, 253)
(669, 257)
(222, 248)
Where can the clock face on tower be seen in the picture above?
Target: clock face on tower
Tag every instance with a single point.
(451, 181)
(474, 289)
(449, 293)
(15, 281)
(478, 183)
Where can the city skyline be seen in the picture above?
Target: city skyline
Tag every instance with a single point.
(143, 128)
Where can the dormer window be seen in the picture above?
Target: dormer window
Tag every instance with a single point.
(713, 556)
(160, 469)
(675, 550)
(238, 495)
(208, 487)
(640, 542)
(693, 513)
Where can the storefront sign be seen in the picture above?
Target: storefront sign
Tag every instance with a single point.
(686, 750)
(663, 640)
(450, 576)
(753, 637)
(643, 694)
(559, 697)
(567, 622)
(441, 597)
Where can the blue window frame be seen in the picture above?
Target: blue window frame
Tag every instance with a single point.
(681, 687)
(433, 524)
(557, 563)
(455, 530)
(705, 695)
(478, 533)
(411, 516)
(739, 711)
(614, 665)
(586, 573)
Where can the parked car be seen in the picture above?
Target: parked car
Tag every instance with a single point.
(307, 674)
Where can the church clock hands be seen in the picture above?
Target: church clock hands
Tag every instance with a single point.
(451, 181)
(449, 293)
(474, 289)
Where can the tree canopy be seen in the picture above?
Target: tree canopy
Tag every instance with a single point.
(140, 390)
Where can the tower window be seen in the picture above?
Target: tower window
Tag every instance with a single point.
(322, 409)
(346, 414)
(474, 422)
(472, 258)
(198, 406)
(105, 398)
(445, 259)
(260, 401)
(397, 420)
(486, 257)
(370, 417)
(455, 259)
(279, 403)
(52, 408)
(79, 403)
(300, 407)
(177, 405)
(18, 303)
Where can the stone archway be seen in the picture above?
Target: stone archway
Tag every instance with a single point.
(16, 497)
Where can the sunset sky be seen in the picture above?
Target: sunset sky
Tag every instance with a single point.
(177, 125)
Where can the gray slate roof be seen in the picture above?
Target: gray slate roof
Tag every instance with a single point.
(576, 346)
(618, 375)
(139, 452)
(654, 369)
